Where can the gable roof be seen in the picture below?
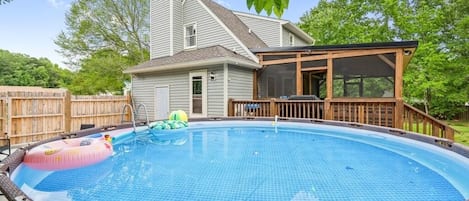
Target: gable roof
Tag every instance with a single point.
(233, 23)
(285, 24)
(193, 58)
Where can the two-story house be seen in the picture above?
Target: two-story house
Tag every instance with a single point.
(201, 56)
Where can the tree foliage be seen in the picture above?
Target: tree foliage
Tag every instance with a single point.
(23, 70)
(269, 6)
(101, 73)
(102, 38)
(438, 74)
(122, 26)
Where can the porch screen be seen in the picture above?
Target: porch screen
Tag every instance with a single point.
(275, 81)
(365, 76)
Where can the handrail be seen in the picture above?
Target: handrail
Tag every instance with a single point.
(420, 122)
(132, 115)
(145, 110)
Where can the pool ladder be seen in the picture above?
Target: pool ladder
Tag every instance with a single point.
(134, 113)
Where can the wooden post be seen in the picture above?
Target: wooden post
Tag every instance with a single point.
(273, 107)
(329, 80)
(128, 116)
(254, 85)
(399, 107)
(449, 133)
(230, 107)
(67, 111)
(3, 115)
(299, 79)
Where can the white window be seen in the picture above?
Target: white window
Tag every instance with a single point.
(190, 35)
(291, 39)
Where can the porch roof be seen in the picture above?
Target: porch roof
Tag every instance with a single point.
(359, 46)
(186, 59)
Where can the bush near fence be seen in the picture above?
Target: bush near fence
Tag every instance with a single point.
(30, 114)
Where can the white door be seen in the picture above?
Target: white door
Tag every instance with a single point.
(198, 93)
(161, 102)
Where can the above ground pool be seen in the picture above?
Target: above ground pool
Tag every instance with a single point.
(258, 160)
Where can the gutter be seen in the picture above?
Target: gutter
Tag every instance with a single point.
(206, 62)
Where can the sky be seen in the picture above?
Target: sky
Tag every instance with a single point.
(30, 26)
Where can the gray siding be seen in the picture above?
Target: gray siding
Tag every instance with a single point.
(159, 28)
(267, 30)
(215, 92)
(239, 83)
(143, 90)
(178, 27)
(210, 32)
(286, 39)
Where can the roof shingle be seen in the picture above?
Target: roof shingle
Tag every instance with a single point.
(201, 54)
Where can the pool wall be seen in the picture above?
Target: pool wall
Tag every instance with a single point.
(12, 192)
(9, 164)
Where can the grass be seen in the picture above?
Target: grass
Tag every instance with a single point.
(462, 134)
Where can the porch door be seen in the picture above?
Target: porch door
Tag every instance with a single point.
(161, 102)
(198, 93)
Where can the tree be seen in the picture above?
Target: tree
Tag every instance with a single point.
(277, 6)
(122, 26)
(438, 72)
(23, 70)
(101, 73)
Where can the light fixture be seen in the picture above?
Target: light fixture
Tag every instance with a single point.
(407, 52)
(212, 76)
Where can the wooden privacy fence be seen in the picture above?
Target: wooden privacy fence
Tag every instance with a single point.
(464, 115)
(30, 114)
(379, 112)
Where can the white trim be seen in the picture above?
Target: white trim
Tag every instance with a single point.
(171, 28)
(250, 54)
(194, 25)
(225, 89)
(298, 32)
(190, 64)
(149, 38)
(260, 17)
(203, 74)
(154, 99)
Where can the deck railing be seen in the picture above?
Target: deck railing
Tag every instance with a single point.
(279, 107)
(378, 111)
(419, 122)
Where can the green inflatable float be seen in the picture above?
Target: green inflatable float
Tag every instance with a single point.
(177, 119)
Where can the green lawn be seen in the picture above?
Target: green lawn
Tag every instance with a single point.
(463, 135)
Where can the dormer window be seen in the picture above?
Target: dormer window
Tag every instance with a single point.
(190, 35)
(291, 39)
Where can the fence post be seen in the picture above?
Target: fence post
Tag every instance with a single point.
(230, 107)
(68, 111)
(129, 112)
(273, 107)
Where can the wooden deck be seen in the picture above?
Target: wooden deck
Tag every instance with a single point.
(385, 112)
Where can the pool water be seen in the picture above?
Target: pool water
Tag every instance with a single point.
(258, 161)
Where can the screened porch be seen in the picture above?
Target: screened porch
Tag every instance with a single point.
(359, 83)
